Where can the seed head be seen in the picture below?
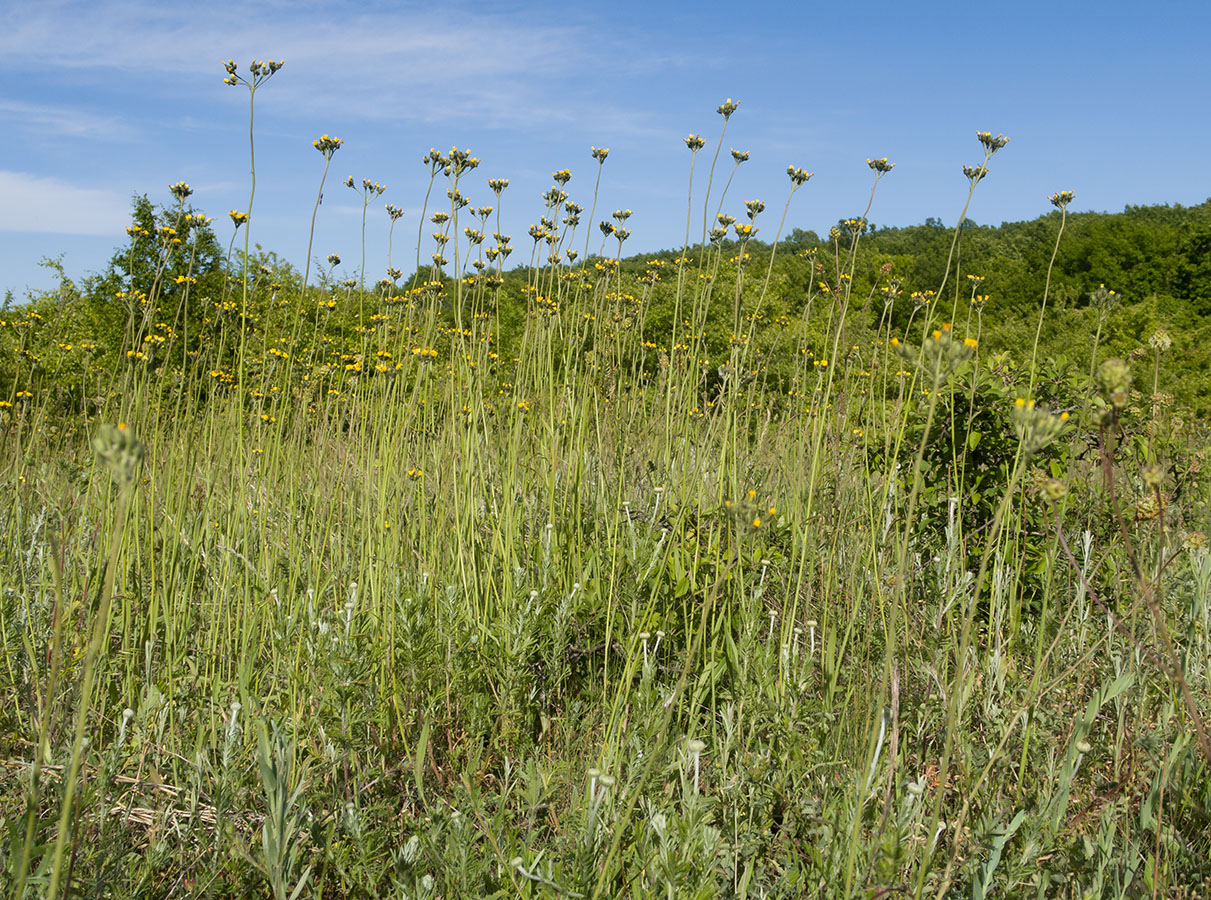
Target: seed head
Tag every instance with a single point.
(119, 451)
(1153, 476)
(1114, 380)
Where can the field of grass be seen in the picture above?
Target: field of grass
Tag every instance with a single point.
(619, 584)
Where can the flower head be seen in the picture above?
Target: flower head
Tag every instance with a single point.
(798, 177)
(991, 144)
(975, 174)
(327, 145)
(1061, 199)
(460, 162)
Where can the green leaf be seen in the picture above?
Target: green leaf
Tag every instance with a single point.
(973, 439)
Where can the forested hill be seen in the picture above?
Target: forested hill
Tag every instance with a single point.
(1157, 260)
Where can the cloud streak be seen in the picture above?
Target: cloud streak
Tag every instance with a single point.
(409, 64)
(35, 203)
(62, 121)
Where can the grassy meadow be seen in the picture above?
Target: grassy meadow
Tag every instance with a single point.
(586, 576)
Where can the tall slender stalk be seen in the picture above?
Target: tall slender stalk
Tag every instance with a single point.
(327, 146)
(1059, 200)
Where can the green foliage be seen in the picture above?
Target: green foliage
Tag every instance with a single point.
(651, 577)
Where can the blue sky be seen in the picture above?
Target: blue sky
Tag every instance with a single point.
(103, 100)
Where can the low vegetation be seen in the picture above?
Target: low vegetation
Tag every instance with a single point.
(809, 567)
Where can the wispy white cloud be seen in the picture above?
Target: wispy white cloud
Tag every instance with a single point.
(37, 203)
(62, 121)
(415, 63)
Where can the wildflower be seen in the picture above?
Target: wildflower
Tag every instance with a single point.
(259, 70)
(499, 184)
(1114, 380)
(880, 166)
(435, 161)
(180, 191)
(1149, 507)
(327, 146)
(119, 451)
(991, 144)
(461, 162)
(1053, 490)
(1036, 426)
(975, 174)
(1104, 299)
(600, 153)
(1153, 476)
(1160, 341)
(238, 218)
(1061, 199)
(694, 142)
(334, 260)
(754, 207)
(562, 177)
(798, 177)
(726, 108)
